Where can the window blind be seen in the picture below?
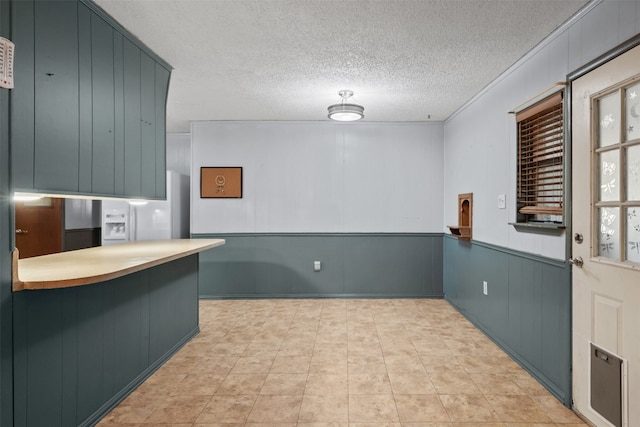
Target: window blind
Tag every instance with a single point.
(540, 157)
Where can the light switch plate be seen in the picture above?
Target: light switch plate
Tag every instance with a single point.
(502, 201)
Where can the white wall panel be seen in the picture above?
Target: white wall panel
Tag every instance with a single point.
(480, 139)
(179, 153)
(321, 177)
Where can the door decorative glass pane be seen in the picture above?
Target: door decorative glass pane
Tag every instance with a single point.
(609, 242)
(633, 112)
(633, 234)
(609, 120)
(609, 175)
(633, 173)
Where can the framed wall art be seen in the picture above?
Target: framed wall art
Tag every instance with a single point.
(220, 182)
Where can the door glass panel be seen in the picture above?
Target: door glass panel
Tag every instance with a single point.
(633, 112)
(609, 120)
(609, 175)
(633, 234)
(633, 173)
(609, 244)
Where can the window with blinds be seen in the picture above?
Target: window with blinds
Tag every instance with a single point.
(541, 161)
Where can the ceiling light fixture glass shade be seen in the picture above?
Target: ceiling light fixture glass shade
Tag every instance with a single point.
(346, 112)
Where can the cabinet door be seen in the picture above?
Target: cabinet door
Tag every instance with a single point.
(85, 155)
(103, 106)
(22, 96)
(162, 84)
(132, 119)
(148, 141)
(118, 80)
(56, 96)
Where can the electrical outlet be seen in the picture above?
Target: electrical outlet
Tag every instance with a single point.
(485, 288)
(502, 201)
(317, 266)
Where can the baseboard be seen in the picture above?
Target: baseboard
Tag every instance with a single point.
(319, 296)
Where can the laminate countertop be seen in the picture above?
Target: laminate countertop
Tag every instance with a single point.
(94, 265)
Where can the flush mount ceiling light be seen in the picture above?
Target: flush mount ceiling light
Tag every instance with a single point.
(345, 112)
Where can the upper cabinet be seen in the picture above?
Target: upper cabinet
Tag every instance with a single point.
(88, 109)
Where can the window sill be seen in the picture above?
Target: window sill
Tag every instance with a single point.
(539, 227)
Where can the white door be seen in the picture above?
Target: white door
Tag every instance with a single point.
(606, 212)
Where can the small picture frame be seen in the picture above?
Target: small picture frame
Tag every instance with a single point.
(221, 182)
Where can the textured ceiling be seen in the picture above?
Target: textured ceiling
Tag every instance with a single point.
(405, 60)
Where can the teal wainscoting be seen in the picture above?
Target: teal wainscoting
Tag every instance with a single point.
(79, 351)
(353, 265)
(527, 310)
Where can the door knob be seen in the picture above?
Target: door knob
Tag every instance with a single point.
(577, 261)
(21, 231)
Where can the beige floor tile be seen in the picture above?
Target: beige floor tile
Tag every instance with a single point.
(279, 424)
(226, 409)
(435, 347)
(252, 365)
(284, 364)
(241, 384)
(370, 383)
(124, 414)
(404, 364)
(284, 384)
(468, 408)
(178, 409)
(555, 410)
(375, 425)
(372, 408)
(411, 383)
(198, 384)
(331, 424)
(324, 408)
(275, 409)
(420, 408)
(529, 385)
(434, 424)
(496, 384)
(453, 381)
(328, 367)
(214, 365)
(326, 384)
(517, 409)
(229, 348)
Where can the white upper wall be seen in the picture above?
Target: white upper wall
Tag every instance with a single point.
(480, 139)
(321, 177)
(179, 153)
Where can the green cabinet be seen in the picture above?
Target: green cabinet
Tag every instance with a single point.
(89, 104)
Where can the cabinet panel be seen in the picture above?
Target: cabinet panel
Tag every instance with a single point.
(85, 156)
(132, 119)
(148, 141)
(162, 83)
(102, 81)
(56, 96)
(118, 80)
(22, 96)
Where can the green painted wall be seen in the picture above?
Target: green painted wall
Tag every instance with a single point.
(353, 265)
(79, 351)
(527, 310)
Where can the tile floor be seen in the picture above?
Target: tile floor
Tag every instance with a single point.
(335, 362)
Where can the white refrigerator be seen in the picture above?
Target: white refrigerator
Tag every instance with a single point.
(124, 221)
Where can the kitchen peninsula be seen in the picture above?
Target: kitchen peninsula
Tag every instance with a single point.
(94, 265)
(91, 325)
